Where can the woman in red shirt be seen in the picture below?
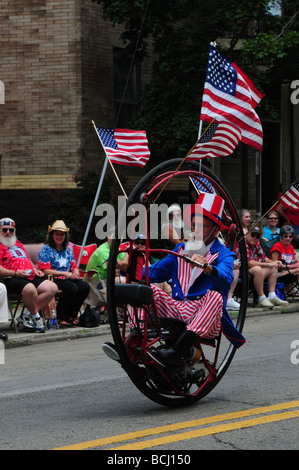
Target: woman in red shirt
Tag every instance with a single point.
(284, 251)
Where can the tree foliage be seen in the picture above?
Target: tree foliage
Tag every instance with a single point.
(263, 44)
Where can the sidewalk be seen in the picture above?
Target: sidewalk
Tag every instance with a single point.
(28, 338)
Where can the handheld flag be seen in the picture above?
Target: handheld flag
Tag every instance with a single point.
(220, 140)
(291, 197)
(229, 95)
(124, 146)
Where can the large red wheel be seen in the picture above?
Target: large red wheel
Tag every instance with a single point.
(135, 325)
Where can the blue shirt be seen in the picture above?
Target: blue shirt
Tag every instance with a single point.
(49, 258)
(267, 233)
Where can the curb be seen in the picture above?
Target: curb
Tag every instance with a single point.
(68, 334)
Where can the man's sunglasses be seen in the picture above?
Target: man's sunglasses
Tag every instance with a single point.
(255, 235)
(10, 230)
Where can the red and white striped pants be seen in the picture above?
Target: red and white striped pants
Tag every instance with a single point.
(202, 316)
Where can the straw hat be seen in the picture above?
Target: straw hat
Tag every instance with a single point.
(209, 205)
(58, 225)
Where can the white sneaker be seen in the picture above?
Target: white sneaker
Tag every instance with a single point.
(39, 325)
(277, 301)
(231, 304)
(26, 320)
(265, 303)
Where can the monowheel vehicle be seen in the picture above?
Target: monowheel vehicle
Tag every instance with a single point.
(135, 324)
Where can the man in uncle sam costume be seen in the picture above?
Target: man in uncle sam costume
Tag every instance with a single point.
(198, 293)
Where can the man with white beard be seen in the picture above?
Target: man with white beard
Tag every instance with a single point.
(173, 229)
(21, 276)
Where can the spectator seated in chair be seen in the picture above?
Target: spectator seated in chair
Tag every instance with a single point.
(57, 259)
(22, 277)
(284, 251)
(271, 229)
(261, 269)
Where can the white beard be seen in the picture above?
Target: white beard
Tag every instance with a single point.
(8, 241)
(177, 223)
(193, 247)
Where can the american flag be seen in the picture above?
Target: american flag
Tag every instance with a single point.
(229, 95)
(203, 185)
(124, 146)
(291, 197)
(220, 140)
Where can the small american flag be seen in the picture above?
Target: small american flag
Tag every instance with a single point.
(229, 95)
(220, 141)
(291, 197)
(124, 146)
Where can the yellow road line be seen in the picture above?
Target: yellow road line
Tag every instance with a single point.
(208, 431)
(188, 424)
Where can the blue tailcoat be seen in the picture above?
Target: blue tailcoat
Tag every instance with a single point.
(223, 260)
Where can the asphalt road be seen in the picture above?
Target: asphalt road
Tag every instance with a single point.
(69, 393)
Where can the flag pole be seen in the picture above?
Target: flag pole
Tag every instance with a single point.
(93, 209)
(97, 195)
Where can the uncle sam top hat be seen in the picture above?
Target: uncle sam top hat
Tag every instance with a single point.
(209, 205)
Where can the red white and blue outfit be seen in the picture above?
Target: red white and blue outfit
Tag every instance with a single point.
(198, 299)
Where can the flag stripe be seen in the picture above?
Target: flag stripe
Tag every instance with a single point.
(291, 197)
(229, 95)
(223, 109)
(223, 142)
(255, 94)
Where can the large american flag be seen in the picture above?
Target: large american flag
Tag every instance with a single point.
(125, 146)
(219, 140)
(291, 197)
(229, 95)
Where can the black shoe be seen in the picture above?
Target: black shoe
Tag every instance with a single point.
(173, 356)
(164, 357)
(196, 375)
(110, 351)
(3, 337)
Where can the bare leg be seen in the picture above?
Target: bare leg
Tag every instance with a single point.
(46, 291)
(29, 297)
(36, 299)
(234, 283)
(258, 279)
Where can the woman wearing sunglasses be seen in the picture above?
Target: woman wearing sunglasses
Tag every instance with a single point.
(271, 229)
(261, 269)
(284, 251)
